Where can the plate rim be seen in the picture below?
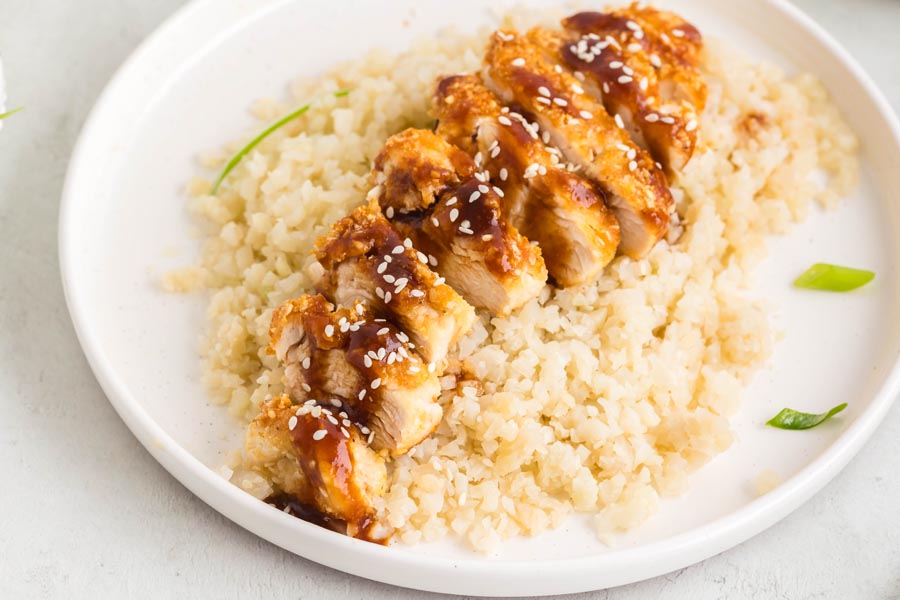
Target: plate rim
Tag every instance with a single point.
(491, 577)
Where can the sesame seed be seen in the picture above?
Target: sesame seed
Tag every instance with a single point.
(627, 70)
(475, 196)
(367, 360)
(495, 152)
(305, 363)
(397, 250)
(417, 293)
(619, 122)
(543, 91)
(616, 64)
(623, 147)
(375, 383)
(407, 243)
(392, 358)
(503, 174)
(605, 87)
(632, 25)
(557, 68)
(454, 214)
(382, 267)
(345, 432)
(498, 191)
(331, 419)
(362, 394)
(316, 411)
(422, 258)
(371, 437)
(644, 84)
(655, 61)
(319, 434)
(414, 369)
(578, 75)
(431, 367)
(487, 237)
(383, 331)
(432, 260)
(677, 33)
(292, 423)
(484, 189)
(465, 224)
(543, 100)
(364, 430)
(634, 47)
(652, 118)
(577, 88)
(379, 292)
(477, 159)
(546, 137)
(518, 62)
(435, 222)
(387, 297)
(451, 201)
(632, 165)
(360, 309)
(388, 258)
(401, 283)
(504, 120)
(335, 402)
(624, 79)
(560, 102)
(389, 212)
(389, 278)
(329, 330)
(505, 36)
(439, 281)
(631, 154)
(668, 120)
(585, 115)
(691, 125)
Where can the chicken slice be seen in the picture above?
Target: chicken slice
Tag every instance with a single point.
(361, 364)
(517, 70)
(413, 180)
(624, 80)
(322, 462)
(366, 260)
(558, 209)
(479, 253)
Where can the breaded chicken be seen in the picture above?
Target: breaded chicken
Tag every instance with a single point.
(349, 358)
(318, 457)
(415, 168)
(642, 64)
(366, 260)
(479, 253)
(518, 71)
(558, 209)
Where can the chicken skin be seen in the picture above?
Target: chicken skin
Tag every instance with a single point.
(518, 70)
(364, 365)
(546, 202)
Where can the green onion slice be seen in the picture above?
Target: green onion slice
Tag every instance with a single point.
(832, 278)
(266, 133)
(789, 418)
(11, 112)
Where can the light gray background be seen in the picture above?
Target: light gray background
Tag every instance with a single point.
(86, 512)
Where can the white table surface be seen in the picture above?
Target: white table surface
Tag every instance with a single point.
(85, 512)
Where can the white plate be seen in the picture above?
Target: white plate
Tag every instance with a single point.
(187, 89)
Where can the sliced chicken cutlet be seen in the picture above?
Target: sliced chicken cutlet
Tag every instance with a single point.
(366, 260)
(479, 253)
(319, 458)
(623, 79)
(415, 168)
(517, 70)
(642, 64)
(558, 209)
(359, 363)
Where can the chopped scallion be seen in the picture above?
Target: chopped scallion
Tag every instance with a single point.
(229, 167)
(11, 112)
(789, 418)
(833, 278)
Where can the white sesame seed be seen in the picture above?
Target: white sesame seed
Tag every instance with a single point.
(557, 68)
(331, 419)
(668, 120)
(605, 87)
(329, 330)
(546, 137)
(543, 100)
(389, 278)
(631, 154)
(388, 258)
(585, 115)
(560, 102)
(484, 189)
(375, 383)
(360, 309)
(616, 64)
(644, 84)
(632, 25)
(577, 88)
(392, 358)
(451, 201)
(319, 434)
(691, 125)
(367, 360)
(652, 118)
(465, 224)
(335, 402)
(477, 159)
(379, 292)
(503, 174)
(435, 222)
(632, 165)
(362, 394)
(345, 432)
(655, 61)
(623, 147)
(498, 191)
(387, 297)
(432, 260)
(627, 70)
(505, 36)
(397, 250)
(475, 196)
(495, 152)
(383, 331)
(504, 120)
(518, 62)
(677, 33)
(487, 237)
(407, 243)
(292, 423)
(316, 411)
(624, 79)
(417, 293)
(401, 283)
(305, 363)
(371, 437)
(634, 47)
(422, 258)
(619, 122)
(578, 75)
(382, 267)
(543, 91)
(431, 367)
(389, 212)
(454, 214)
(439, 281)
(364, 430)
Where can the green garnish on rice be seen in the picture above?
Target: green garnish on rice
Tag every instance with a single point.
(789, 418)
(258, 139)
(833, 278)
(11, 112)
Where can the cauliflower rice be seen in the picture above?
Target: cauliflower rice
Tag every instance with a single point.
(601, 398)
